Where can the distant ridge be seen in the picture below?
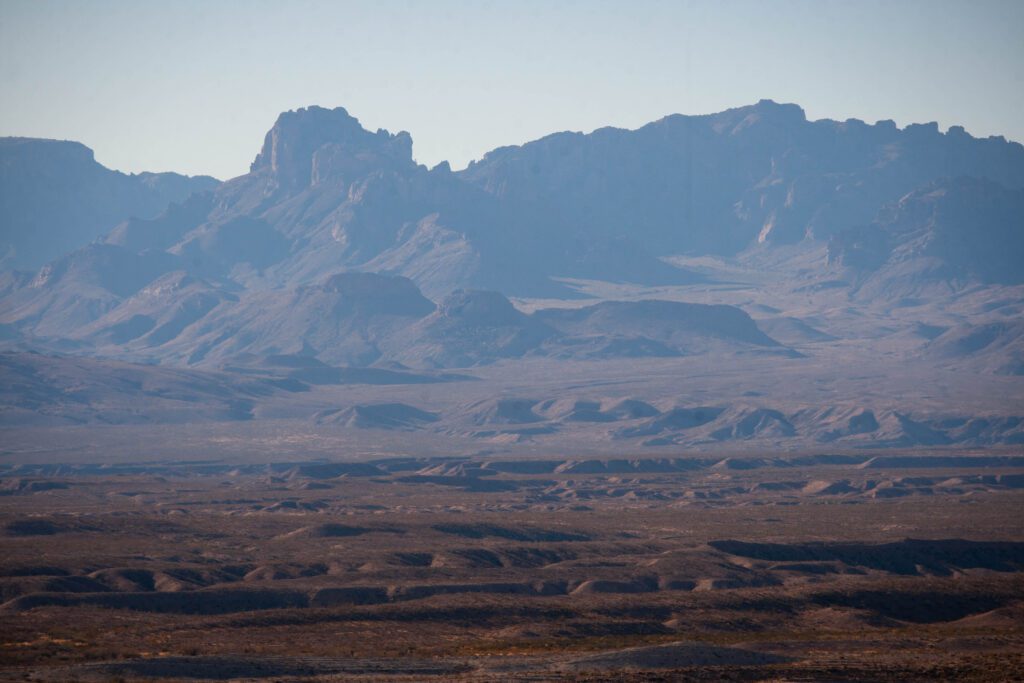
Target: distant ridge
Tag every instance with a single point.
(55, 197)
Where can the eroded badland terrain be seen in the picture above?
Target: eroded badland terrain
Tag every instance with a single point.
(742, 568)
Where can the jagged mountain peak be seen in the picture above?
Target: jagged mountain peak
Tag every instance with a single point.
(308, 144)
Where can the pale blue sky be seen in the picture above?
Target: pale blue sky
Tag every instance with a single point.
(192, 86)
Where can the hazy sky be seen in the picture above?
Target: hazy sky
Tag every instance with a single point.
(192, 86)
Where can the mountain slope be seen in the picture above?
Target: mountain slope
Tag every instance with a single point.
(339, 321)
(965, 229)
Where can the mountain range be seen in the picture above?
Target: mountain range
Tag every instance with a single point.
(728, 252)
